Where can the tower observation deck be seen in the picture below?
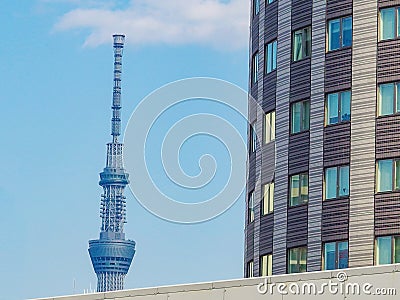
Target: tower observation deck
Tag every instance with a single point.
(111, 254)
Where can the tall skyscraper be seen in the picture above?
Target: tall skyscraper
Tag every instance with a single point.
(111, 254)
(324, 172)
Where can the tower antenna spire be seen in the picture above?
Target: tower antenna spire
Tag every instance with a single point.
(111, 254)
(119, 40)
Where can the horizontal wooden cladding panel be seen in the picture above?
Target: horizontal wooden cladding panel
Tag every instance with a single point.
(387, 213)
(299, 152)
(254, 35)
(388, 137)
(300, 80)
(251, 181)
(297, 226)
(388, 64)
(271, 21)
(387, 3)
(268, 162)
(266, 234)
(301, 13)
(249, 241)
(269, 93)
(338, 70)
(337, 144)
(254, 90)
(335, 220)
(338, 8)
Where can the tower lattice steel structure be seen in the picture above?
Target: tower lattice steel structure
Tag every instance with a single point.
(111, 254)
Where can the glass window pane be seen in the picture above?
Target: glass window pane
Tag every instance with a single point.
(397, 174)
(268, 198)
(303, 260)
(384, 174)
(398, 96)
(330, 256)
(398, 23)
(269, 58)
(273, 126)
(256, 6)
(387, 23)
(293, 260)
(332, 114)
(274, 51)
(396, 250)
(298, 45)
(384, 250)
(296, 114)
(251, 207)
(307, 44)
(334, 34)
(250, 269)
(344, 181)
(347, 35)
(343, 260)
(267, 128)
(331, 183)
(305, 124)
(269, 271)
(345, 106)
(304, 188)
(271, 197)
(294, 190)
(386, 101)
(264, 265)
(255, 68)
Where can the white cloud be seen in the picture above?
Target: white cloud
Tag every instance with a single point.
(223, 25)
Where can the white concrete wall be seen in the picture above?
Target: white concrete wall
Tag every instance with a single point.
(387, 277)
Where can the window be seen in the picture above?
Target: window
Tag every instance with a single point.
(337, 108)
(250, 269)
(336, 255)
(268, 198)
(298, 189)
(256, 7)
(270, 1)
(389, 23)
(250, 205)
(337, 182)
(266, 265)
(300, 116)
(254, 68)
(340, 33)
(253, 138)
(388, 175)
(387, 250)
(301, 43)
(269, 127)
(270, 56)
(388, 99)
(297, 260)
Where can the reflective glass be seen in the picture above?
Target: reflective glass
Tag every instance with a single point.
(384, 250)
(344, 181)
(330, 256)
(347, 35)
(345, 106)
(387, 23)
(334, 34)
(386, 99)
(385, 177)
(331, 183)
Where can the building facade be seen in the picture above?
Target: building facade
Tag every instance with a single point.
(323, 188)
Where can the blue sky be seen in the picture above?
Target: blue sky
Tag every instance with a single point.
(56, 88)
